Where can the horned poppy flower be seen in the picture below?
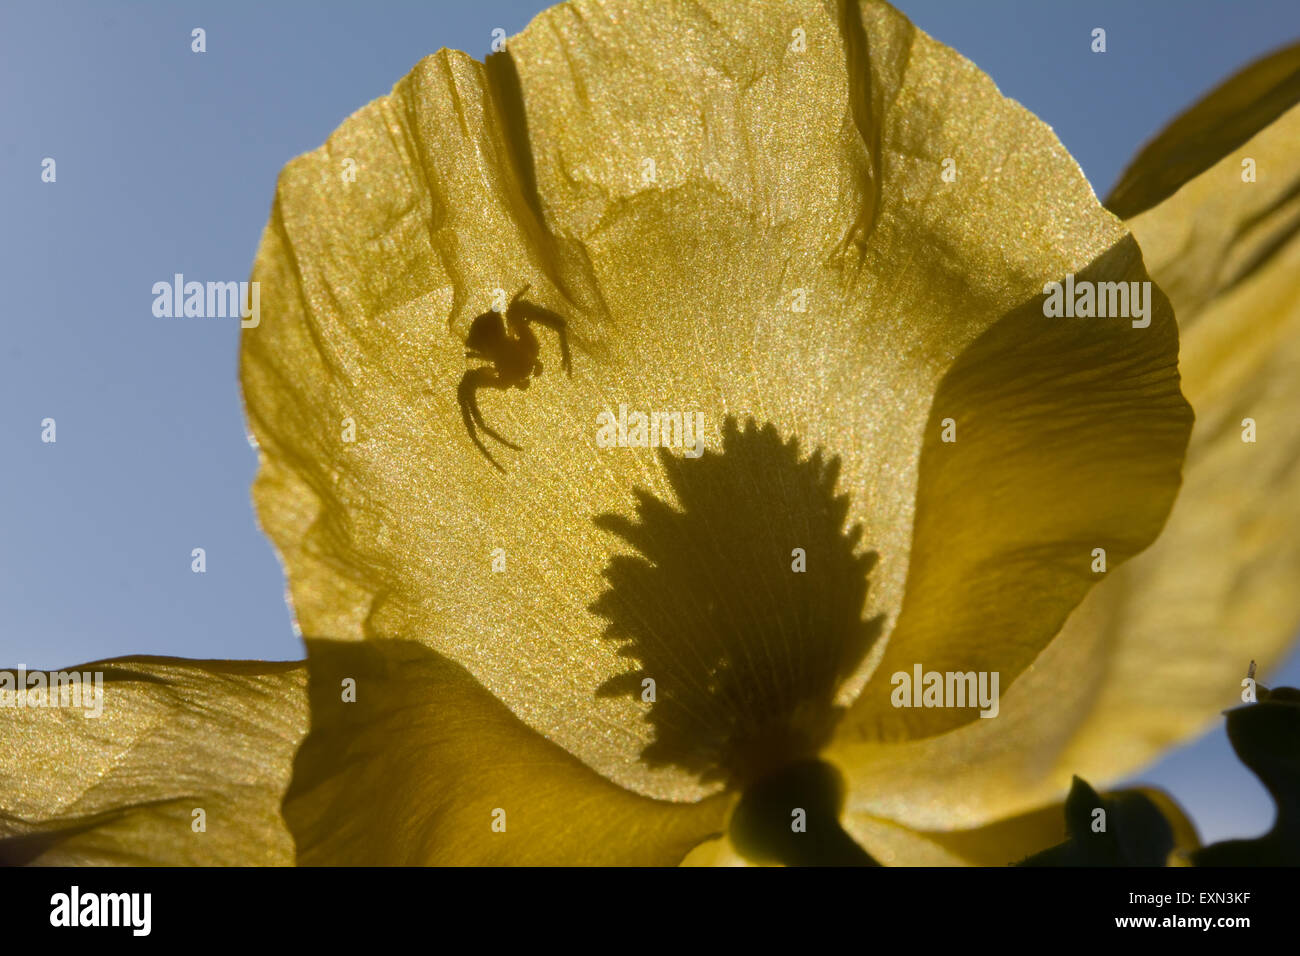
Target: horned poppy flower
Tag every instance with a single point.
(640, 409)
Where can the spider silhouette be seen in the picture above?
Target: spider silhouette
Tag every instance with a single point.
(508, 345)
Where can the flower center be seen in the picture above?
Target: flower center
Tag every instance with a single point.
(742, 607)
(793, 817)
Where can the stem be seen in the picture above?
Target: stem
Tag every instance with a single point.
(767, 825)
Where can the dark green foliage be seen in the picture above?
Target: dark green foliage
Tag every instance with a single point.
(1135, 831)
(1266, 736)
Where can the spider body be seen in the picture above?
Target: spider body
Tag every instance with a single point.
(509, 348)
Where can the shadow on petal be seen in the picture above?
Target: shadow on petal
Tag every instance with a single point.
(742, 606)
(410, 761)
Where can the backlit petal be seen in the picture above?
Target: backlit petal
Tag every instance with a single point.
(738, 210)
(1161, 646)
(185, 764)
(424, 767)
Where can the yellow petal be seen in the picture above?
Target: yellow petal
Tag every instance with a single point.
(675, 182)
(1199, 138)
(1069, 439)
(1159, 648)
(1181, 624)
(424, 767)
(988, 769)
(1000, 843)
(172, 737)
(718, 851)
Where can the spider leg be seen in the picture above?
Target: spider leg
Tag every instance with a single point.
(478, 418)
(467, 394)
(520, 294)
(535, 313)
(469, 412)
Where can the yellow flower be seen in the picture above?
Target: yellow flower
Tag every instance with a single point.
(828, 237)
(834, 252)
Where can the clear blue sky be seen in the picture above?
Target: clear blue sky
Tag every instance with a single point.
(167, 163)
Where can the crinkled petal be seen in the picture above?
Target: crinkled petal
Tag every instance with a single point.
(173, 737)
(733, 209)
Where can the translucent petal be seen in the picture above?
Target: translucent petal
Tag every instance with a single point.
(424, 767)
(1161, 646)
(739, 210)
(1199, 138)
(172, 738)
(1217, 590)
(1000, 843)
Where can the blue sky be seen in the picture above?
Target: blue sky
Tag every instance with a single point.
(167, 163)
